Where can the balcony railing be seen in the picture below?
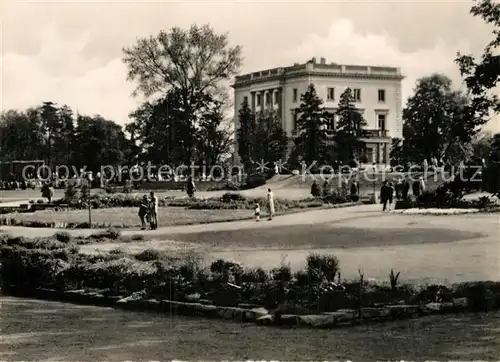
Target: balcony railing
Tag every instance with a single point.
(374, 133)
(366, 133)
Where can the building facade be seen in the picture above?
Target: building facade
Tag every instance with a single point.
(377, 91)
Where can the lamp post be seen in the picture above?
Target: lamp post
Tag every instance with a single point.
(89, 179)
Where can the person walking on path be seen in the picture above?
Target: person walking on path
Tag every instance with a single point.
(48, 191)
(270, 203)
(399, 189)
(406, 188)
(153, 210)
(386, 194)
(190, 187)
(354, 194)
(144, 212)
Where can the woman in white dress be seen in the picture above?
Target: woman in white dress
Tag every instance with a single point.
(270, 203)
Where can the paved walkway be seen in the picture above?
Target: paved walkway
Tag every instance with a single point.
(306, 217)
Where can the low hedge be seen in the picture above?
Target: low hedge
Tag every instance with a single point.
(53, 264)
(227, 201)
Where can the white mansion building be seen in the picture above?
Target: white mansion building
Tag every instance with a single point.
(377, 91)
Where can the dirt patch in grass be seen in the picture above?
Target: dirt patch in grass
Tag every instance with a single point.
(37, 330)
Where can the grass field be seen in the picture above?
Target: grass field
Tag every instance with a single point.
(37, 330)
(127, 216)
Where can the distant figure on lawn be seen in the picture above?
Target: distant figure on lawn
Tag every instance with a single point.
(270, 203)
(398, 187)
(418, 187)
(326, 189)
(190, 187)
(48, 191)
(315, 191)
(354, 190)
(153, 210)
(386, 194)
(406, 188)
(144, 214)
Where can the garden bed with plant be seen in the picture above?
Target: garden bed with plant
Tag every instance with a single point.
(121, 210)
(314, 297)
(441, 199)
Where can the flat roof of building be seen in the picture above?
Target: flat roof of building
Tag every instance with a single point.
(321, 68)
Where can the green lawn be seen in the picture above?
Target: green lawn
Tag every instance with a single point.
(127, 216)
(37, 330)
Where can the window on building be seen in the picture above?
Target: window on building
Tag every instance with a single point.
(330, 123)
(295, 94)
(276, 94)
(381, 122)
(268, 98)
(330, 94)
(245, 100)
(357, 94)
(381, 95)
(295, 118)
(258, 100)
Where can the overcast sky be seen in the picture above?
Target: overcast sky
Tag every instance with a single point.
(70, 52)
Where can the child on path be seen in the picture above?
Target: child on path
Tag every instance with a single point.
(257, 211)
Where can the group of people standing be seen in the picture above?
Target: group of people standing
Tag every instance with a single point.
(269, 204)
(148, 211)
(401, 190)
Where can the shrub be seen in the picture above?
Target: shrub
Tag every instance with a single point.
(110, 189)
(322, 267)
(111, 233)
(150, 255)
(253, 181)
(231, 197)
(335, 197)
(63, 236)
(282, 274)
(70, 192)
(254, 275)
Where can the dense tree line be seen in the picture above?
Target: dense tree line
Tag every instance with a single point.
(55, 135)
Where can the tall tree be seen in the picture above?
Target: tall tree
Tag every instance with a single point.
(214, 136)
(311, 142)
(350, 124)
(194, 62)
(270, 140)
(491, 175)
(436, 120)
(100, 142)
(20, 138)
(245, 134)
(481, 77)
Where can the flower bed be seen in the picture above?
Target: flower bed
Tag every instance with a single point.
(154, 280)
(227, 201)
(440, 200)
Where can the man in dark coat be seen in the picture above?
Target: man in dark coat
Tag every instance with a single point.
(405, 189)
(386, 194)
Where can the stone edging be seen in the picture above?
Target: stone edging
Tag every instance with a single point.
(435, 211)
(259, 316)
(12, 221)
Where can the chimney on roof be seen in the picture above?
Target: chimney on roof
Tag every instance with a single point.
(313, 60)
(323, 61)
